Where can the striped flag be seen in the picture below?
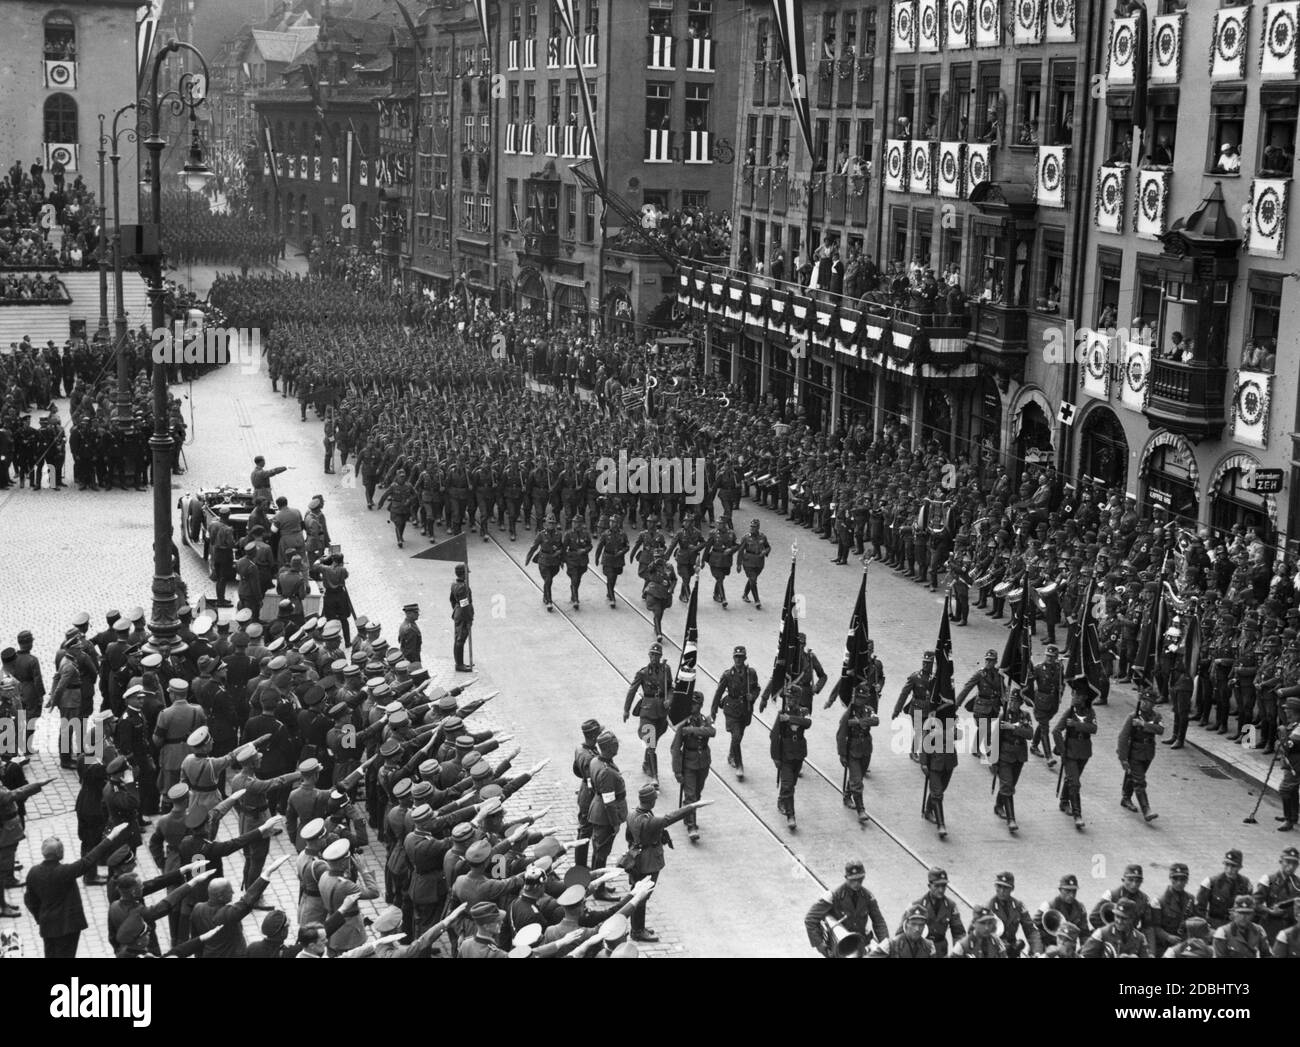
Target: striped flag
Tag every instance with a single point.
(570, 19)
(789, 29)
(347, 174)
(146, 32)
(684, 683)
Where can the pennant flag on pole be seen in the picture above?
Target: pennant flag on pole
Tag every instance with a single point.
(419, 68)
(1016, 654)
(789, 31)
(452, 550)
(943, 702)
(1153, 628)
(481, 9)
(684, 683)
(270, 154)
(352, 130)
(348, 173)
(855, 646)
(146, 32)
(1084, 662)
(570, 20)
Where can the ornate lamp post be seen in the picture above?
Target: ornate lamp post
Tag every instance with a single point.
(190, 93)
(123, 406)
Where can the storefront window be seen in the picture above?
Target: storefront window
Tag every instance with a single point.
(1170, 484)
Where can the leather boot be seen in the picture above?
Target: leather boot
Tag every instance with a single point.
(1147, 813)
(1010, 805)
(939, 820)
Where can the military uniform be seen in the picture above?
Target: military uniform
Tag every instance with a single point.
(691, 758)
(789, 749)
(1072, 738)
(608, 808)
(1136, 749)
(752, 552)
(1014, 732)
(577, 555)
(737, 691)
(548, 547)
(654, 681)
(990, 694)
(853, 742)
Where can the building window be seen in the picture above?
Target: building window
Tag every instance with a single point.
(699, 19)
(697, 107)
(849, 43)
(468, 131)
(950, 248)
(795, 233)
(467, 211)
(571, 101)
(658, 197)
(530, 19)
(1227, 125)
(905, 113)
(1119, 128)
(1061, 110)
(930, 103)
(1162, 139)
(512, 94)
(512, 198)
(990, 97)
(821, 142)
(60, 119)
(60, 39)
(484, 130)
(589, 217)
(782, 140)
(1146, 301)
(843, 139)
(695, 199)
(1260, 351)
(1279, 108)
(760, 240)
(530, 101)
(515, 21)
(898, 235)
(1052, 275)
(661, 17)
(769, 125)
(958, 127)
(570, 212)
(1029, 95)
(760, 40)
(1109, 272)
(658, 105)
(553, 101)
(484, 212)
(923, 251)
(593, 15)
(866, 132)
(751, 136)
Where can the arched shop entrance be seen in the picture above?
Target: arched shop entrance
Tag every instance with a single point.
(570, 306)
(1033, 438)
(936, 419)
(1171, 478)
(619, 318)
(532, 293)
(1104, 449)
(1234, 504)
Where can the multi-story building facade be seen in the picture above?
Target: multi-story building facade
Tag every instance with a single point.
(955, 147)
(63, 66)
(453, 195)
(1187, 397)
(351, 62)
(664, 95)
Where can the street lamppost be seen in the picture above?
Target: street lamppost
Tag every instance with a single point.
(101, 333)
(190, 93)
(123, 407)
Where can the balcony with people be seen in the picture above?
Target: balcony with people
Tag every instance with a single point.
(1189, 372)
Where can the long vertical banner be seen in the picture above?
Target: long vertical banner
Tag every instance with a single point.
(584, 95)
(271, 159)
(146, 31)
(789, 27)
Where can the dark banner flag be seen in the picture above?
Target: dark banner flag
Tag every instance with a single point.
(1083, 661)
(941, 689)
(789, 32)
(1016, 655)
(684, 683)
(787, 650)
(1192, 650)
(1152, 633)
(855, 646)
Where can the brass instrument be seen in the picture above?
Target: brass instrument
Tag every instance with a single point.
(1053, 920)
(841, 943)
(1107, 912)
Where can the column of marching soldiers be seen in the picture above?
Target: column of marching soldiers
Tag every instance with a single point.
(395, 451)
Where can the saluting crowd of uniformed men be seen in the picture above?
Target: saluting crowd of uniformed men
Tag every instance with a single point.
(332, 744)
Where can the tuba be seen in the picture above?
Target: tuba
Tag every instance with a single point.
(1053, 920)
(842, 943)
(1107, 912)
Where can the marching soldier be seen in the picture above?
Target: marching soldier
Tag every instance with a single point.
(737, 692)
(687, 544)
(660, 581)
(982, 941)
(1119, 938)
(990, 696)
(1136, 749)
(851, 907)
(611, 551)
(1015, 918)
(577, 554)
(789, 749)
(1072, 741)
(403, 503)
(691, 758)
(1278, 894)
(938, 760)
(1173, 910)
(462, 618)
(1046, 686)
(914, 700)
(582, 757)
(1066, 903)
(752, 554)
(1014, 732)
(548, 547)
(941, 916)
(719, 549)
(655, 683)
(853, 741)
